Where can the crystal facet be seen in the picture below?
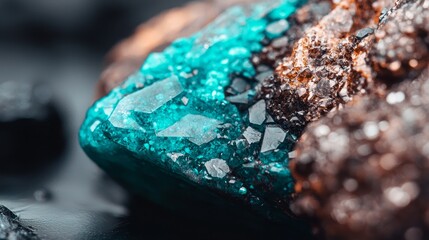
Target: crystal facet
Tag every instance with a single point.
(217, 168)
(196, 128)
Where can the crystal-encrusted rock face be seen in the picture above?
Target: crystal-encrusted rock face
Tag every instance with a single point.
(189, 118)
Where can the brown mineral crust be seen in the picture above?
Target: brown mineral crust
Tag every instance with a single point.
(401, 50)
(327, 66)
(363, 172)
(127, 56)
(304, 18)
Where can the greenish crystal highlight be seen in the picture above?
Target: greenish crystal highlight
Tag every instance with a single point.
(175, 115)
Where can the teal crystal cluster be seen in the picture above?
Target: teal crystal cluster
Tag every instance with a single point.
(188, 128)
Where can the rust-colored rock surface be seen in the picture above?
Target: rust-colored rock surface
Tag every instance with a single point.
(327, 66)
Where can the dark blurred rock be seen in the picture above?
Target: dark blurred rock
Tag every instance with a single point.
(43, 195)
(31, 129)
(401, 50)
(12, 229)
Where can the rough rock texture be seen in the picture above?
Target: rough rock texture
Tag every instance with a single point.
(362, 172)
(11, 227)
(326, 67)
(305, 17)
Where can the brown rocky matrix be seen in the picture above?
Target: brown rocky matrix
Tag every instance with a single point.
(327, 66)
(363, 172)
(304, 18)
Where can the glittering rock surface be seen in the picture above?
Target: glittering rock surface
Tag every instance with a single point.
(304, 18)
(189, 121)
(11, 227)
(363, 172)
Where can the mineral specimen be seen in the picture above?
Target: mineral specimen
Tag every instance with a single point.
(217, 114)
(189, 121)
(11, 227)
(29, 120)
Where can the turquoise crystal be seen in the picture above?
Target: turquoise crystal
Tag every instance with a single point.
(189, 121)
